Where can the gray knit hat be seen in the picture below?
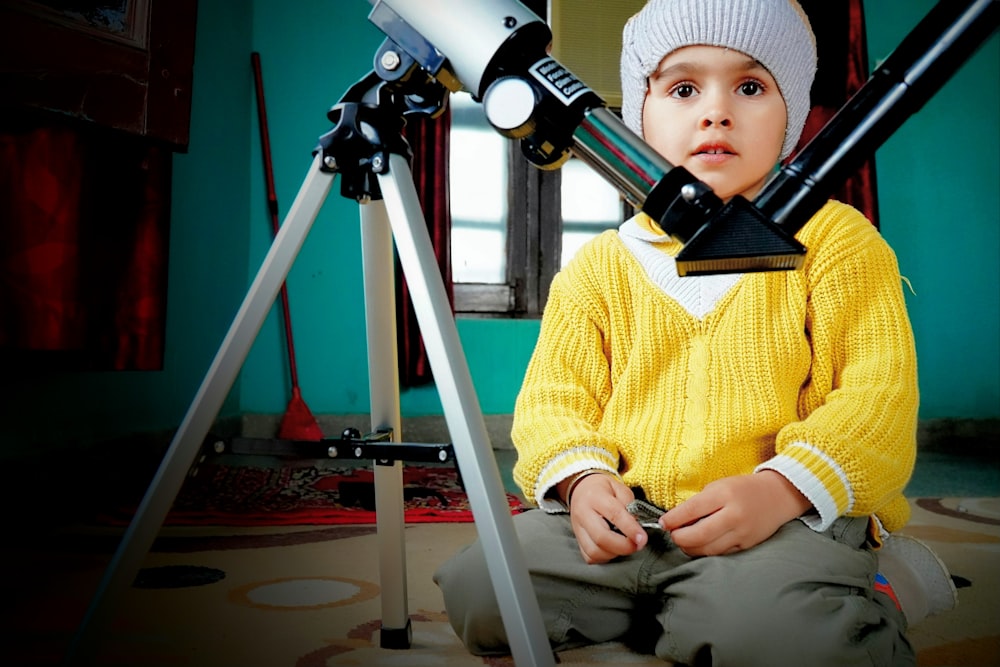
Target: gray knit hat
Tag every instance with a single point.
(776, 33)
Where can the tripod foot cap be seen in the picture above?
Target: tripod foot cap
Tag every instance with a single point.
(396, 638)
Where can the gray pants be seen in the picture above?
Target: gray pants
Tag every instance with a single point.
(800, 598)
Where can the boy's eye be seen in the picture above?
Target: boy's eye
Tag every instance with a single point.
(751, 88)
(683, 90)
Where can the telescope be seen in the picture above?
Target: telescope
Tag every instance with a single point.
(497, 51)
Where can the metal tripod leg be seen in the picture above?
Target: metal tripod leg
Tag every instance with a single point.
(508, 570)
(190, 435)
(380, 322)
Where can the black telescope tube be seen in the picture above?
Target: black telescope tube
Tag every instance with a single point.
(911, 75)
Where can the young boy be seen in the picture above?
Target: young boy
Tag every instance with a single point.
(773, 414)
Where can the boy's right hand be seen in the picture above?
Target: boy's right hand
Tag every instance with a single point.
(598, 503)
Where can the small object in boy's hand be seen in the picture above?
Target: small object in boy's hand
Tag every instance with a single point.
(645, 513)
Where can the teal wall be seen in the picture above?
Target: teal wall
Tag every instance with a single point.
(938, 186)
(939, 198)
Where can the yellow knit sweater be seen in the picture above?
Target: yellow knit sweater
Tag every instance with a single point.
(672, 382)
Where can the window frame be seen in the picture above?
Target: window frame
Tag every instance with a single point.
(533, 246)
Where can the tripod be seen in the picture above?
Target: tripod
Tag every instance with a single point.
(396, 215)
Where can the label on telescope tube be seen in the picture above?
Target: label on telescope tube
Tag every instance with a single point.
(559, 80)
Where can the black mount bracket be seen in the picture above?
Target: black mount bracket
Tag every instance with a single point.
(376, 446)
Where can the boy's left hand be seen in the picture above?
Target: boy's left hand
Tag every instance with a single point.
(734, 513)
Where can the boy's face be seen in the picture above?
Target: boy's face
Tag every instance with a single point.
(719, 114)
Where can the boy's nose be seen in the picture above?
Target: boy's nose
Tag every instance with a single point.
(715, 109)
(718, 118)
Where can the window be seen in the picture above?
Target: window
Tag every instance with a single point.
(514, 225)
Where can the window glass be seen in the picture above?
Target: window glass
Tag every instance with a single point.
(589, 206)
(478, 182)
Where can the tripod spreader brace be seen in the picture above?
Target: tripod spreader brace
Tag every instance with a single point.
(376, 446)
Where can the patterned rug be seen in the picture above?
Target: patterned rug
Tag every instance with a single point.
(221, 494)
(311, 596)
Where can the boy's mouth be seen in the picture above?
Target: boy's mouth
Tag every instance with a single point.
(714, 149)
(714, 154)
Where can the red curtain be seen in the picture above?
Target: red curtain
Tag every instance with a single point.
(84, 218)
(429, 141)
(843, 69)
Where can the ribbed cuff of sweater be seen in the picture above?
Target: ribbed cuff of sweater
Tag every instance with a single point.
(818, 478)
(566, 465)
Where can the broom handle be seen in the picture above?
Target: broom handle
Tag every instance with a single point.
(272, 205)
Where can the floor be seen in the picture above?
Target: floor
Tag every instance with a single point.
(958, 466)
(951, 467)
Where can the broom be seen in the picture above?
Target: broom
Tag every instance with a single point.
(298, 422)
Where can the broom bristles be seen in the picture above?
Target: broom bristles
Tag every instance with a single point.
(298, 422)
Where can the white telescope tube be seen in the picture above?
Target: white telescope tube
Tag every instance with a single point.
(468, 32)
